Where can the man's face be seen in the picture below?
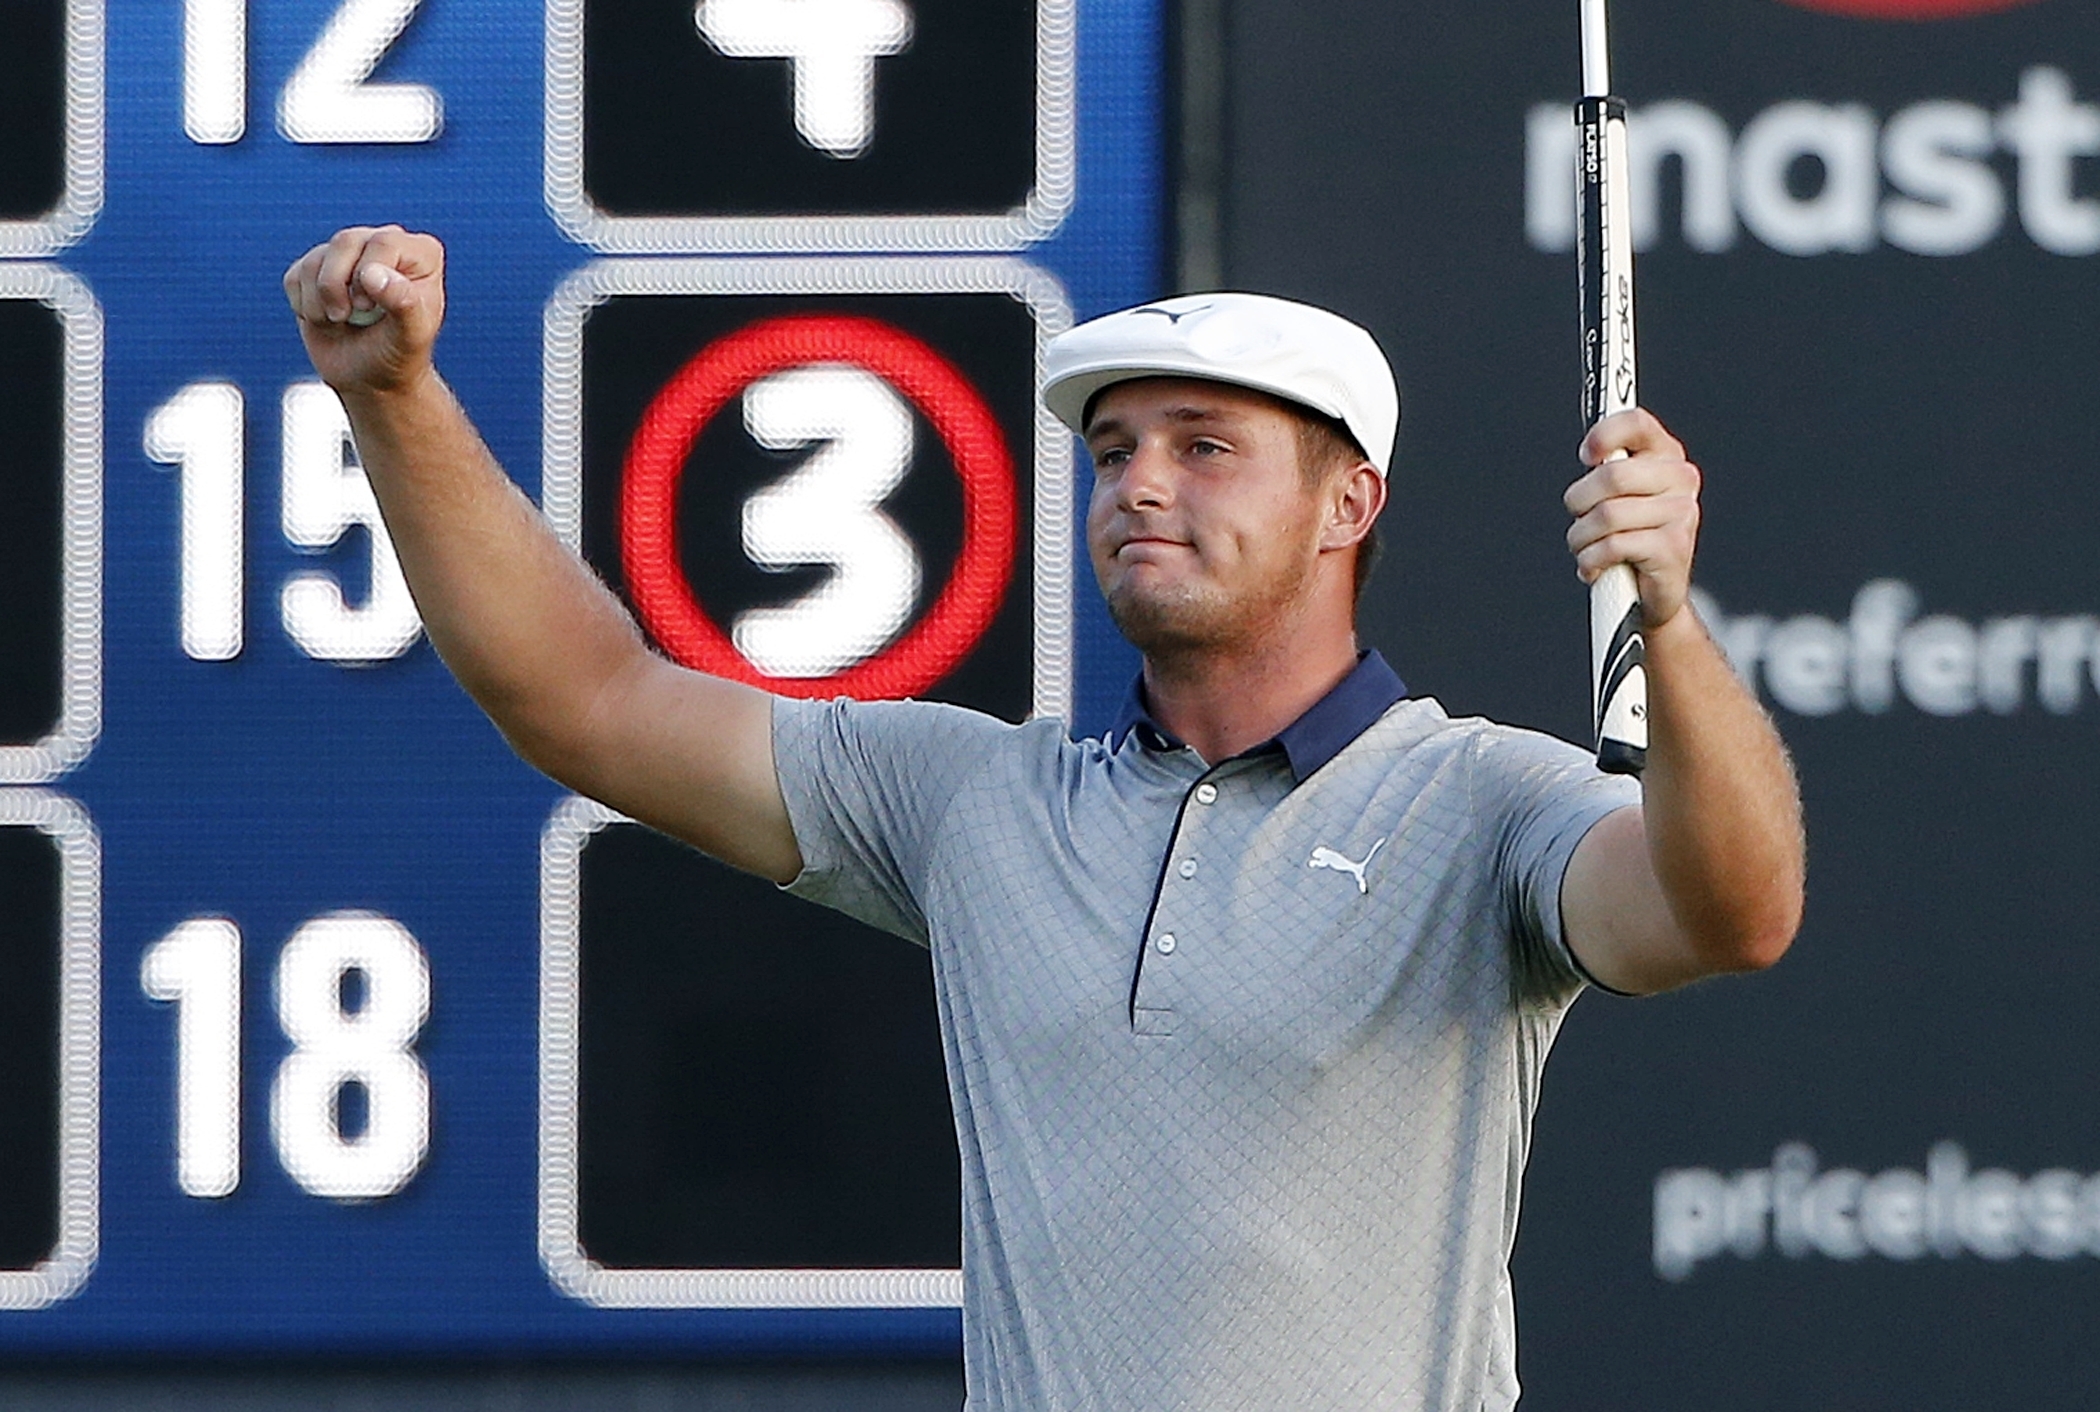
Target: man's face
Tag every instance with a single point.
(1201, 526)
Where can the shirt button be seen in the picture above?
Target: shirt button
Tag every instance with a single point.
(1165, 943)
(1206, 793)
(1187, 868)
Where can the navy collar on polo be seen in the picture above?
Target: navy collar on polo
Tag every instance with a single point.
(1309, 742)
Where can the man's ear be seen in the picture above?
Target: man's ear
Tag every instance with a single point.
(1355, 498)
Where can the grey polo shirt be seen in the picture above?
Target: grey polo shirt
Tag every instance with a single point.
(1243, 1056)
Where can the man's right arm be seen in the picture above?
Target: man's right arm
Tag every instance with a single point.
(525, 626)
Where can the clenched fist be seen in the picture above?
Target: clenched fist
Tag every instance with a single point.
(370, 302)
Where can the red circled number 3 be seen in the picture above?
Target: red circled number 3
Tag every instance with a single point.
(852, 361)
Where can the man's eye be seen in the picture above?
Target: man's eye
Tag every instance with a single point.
(1207, 448)
(1112, 456)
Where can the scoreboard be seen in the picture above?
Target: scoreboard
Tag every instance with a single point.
(329, 1026)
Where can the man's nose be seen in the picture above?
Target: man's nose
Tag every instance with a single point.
(1147, 482)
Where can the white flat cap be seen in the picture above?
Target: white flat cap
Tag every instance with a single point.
(1291, 350)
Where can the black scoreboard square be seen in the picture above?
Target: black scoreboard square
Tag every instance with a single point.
(750, 1105)
(32, 529)
(49, 1047)
(32, 107)
(50, 521)
(30, 909)
(760, 1079)
(671, 473)
(781, 125)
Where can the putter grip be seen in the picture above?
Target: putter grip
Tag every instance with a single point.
(1618, 666)
(1604, 233)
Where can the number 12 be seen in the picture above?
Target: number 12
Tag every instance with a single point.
(329, 97)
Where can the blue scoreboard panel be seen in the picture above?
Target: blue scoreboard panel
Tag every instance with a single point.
(328, 1026)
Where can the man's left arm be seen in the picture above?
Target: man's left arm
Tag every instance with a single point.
(1706, 876)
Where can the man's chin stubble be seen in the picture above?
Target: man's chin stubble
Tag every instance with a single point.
(1187, 625)
(1167, 628)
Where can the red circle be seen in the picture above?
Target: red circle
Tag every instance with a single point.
(656, 459)
(1909, 9)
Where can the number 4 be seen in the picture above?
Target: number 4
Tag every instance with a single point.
(329, 97)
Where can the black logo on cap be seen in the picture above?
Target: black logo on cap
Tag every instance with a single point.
(1168, 314)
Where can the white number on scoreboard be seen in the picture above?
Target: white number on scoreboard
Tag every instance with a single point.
(330, 97)
(831, 47)
(199, 429)
(828, 510)
(324, 497)
(337, 1044)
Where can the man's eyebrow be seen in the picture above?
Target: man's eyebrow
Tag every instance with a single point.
(1196, 412)
(1185, 414)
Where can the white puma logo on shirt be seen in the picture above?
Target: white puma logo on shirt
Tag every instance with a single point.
(1328, 858)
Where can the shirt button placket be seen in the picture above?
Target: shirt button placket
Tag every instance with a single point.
(1165, 942)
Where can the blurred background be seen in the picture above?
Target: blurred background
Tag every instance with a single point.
(346, 1063)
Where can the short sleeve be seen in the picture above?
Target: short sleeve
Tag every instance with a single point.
(1540, 796)
(867, 785)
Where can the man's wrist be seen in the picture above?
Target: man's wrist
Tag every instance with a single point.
(1680, 633)
(414, 386)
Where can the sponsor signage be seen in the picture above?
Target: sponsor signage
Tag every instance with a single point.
(1940, 177)
(1945, 1210)
(1869, 258)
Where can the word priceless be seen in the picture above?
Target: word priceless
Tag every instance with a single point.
(1945, 1211)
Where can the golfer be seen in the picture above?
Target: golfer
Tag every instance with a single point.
(1245, 1004)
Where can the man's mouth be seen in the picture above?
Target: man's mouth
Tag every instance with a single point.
(1150, 541)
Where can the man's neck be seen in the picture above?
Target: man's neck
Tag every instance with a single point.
(1223, 703)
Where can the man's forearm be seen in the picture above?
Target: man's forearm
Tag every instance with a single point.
(528, 629)
(1721, 810)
